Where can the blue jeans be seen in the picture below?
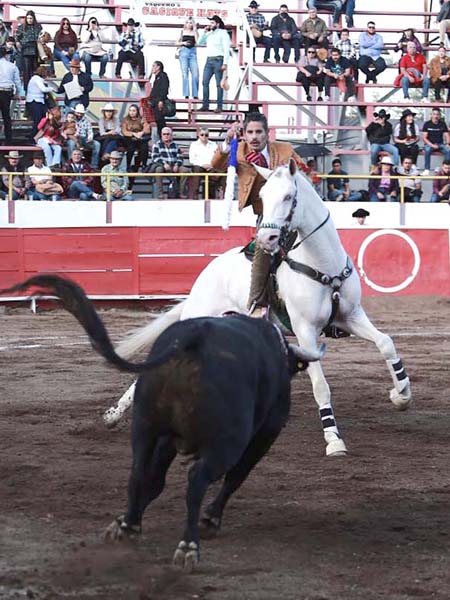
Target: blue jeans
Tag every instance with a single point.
(376, 148)
(188, 63)
(65, 58)
(428, 150)
(88, 59)
(80, 190)
(387, 197)
(320, 4)
(94, 146)
(213, 66)
(40, 196)
(436, 198)
(353, 196)
(425, 86)
(52, 152)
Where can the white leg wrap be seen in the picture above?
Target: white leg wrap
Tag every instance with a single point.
(113, 415)
(400, 396)
(335, 444)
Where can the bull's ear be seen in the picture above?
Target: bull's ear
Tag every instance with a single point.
(292, 167)
(266, 173)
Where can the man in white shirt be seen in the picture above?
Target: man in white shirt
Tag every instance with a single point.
(39, 173)
(10, 86)
(200, 156)
(217, 51)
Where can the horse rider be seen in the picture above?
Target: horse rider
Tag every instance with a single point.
(255, 149)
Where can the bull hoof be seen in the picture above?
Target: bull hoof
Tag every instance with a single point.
(209, 527)
(186, 558)
(401, 400)
(111, 417)
(120, 530)
(336, 447)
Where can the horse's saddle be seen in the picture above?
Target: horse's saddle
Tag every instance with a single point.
(277, 313)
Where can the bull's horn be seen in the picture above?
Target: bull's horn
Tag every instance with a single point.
(306, 356)
(266, 173)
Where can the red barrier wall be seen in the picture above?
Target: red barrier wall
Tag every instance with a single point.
(125, 261)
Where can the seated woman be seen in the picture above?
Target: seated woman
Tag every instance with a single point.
(66, 43)
(109, 128)
(440, 74)
(386, 188)
(91, 48)
(48, 137)
(136, 135)
(409, 35)
(406, 137)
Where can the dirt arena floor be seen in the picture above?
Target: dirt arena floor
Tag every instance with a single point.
(372, 525)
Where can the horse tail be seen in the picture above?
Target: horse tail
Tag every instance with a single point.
(75, 301)
(143, 338)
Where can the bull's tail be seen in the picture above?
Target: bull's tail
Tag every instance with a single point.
(75, 301)
(142, 339)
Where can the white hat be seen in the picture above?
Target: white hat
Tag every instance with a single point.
(109, 106)
(80, 108)
(387, 160)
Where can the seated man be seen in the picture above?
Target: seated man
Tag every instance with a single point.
(39, 180)
(115, 186)
(338, 72)
(12, 165)
(436, 138)
(370, 48)
(85, 135)
(167, 158)
(310, 71)
(131, 43)
(285, 33)
(379, 133)
(413, 71)
(339, 188)
(314, 31)
(441, 187)
(200, 155)
(74, 183)
(412, 188)
(258, 25)
(349, 50)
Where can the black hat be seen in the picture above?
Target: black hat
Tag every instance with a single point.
(218, 20)
(408, 112)
(38, 154)
(132, 22)
(382, 113)
(253, 4)
(360, 213)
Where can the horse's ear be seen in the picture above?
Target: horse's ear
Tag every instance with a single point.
(292, 167)
(266, 173)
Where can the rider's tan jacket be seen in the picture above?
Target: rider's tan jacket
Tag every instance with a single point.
(250, 181)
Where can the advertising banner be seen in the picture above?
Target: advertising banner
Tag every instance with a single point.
(167, 12)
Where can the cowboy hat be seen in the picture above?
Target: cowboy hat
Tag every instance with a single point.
(115, 154)
(408, 112)
(253, 4)
(109, 106)
(382, 113)
(75, 63)
(37, 154)
(131, 21)
(13, 154)
(80, 108)
(387, 160)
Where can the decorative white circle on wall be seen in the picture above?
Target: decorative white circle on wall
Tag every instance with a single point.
(404, 284)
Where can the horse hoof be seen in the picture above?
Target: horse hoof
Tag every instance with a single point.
(401, 400)
(336, 447)
(119, 530)
(186, 558)
(209, 527)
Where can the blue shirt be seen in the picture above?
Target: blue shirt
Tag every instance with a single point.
(370, 45)
(9, 75)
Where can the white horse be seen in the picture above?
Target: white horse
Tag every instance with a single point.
(317, 282)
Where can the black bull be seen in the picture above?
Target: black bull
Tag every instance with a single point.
(217, 389)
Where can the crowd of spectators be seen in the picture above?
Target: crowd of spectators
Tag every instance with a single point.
(326, 58)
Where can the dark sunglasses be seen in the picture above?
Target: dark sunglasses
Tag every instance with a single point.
(311, 51)
(204, 135)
